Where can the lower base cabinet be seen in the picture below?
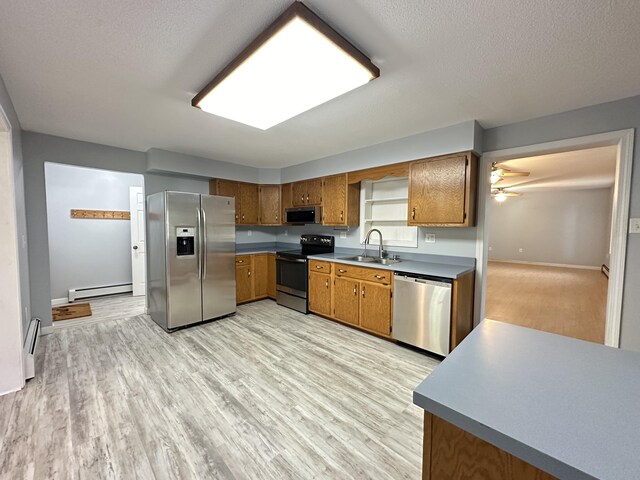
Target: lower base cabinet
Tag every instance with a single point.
(362, 303)
(255, 277)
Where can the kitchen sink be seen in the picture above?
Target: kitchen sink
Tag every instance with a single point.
(367, 259)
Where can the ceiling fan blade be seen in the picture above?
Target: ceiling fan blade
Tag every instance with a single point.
(515, 174)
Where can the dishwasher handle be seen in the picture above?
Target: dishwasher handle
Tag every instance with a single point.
(411, 279)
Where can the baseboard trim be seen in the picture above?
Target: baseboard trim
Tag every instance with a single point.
(59, 301)
(544, 264)
(46, 330)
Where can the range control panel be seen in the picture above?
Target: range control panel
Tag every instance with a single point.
(185, 239)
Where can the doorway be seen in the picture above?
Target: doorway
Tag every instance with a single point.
(96, 242)
(622, 144)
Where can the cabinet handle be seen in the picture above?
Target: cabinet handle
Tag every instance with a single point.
(249, 273)
(307, 198)
(319, 267)
(276, 218)
(363, 291)
(341, 215)
(379, 277)
(236, 218)
(326, 283)
(413, 213)
(355, 289)
(341, 270)
(302, 198)
(239, 261)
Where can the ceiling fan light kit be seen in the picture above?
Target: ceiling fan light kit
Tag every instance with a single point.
(500, 194)
(296, 64)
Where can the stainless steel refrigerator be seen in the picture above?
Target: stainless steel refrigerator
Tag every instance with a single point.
(191, 243)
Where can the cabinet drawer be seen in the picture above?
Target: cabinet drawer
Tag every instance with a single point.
(243, 260)
(319, 267)
(368, 274)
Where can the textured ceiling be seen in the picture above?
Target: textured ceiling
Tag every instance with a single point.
(123, 72)
(578, 169)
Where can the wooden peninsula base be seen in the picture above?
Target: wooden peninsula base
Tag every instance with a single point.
(450, 453)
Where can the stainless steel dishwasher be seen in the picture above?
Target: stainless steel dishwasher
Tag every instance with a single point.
(422, 311)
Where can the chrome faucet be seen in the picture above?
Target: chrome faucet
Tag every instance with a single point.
(381, 252)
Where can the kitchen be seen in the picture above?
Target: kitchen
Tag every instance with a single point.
(271, 390)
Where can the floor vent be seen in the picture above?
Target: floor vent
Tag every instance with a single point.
(29, 348)
(78, 293)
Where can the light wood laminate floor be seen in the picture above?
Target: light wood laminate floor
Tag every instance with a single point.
(567, 301)
(111, 307)
(269, 393)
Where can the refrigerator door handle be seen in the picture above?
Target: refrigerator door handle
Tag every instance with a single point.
(203, 252)
(198, 211)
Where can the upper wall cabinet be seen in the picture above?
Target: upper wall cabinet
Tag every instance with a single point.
(442, 191)
(270, 212)
(286, 199)
(307, 192)
(246, 195)
(340, 201)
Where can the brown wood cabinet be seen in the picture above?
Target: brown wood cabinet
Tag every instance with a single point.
(246, 195)
(320, 293)
(340, 201)
(375, 307)
(346, 300)
(442, 191)
(271, 275)
(226, 188)
(270, 212)
(450, 452)
(286, 199)
(307, 192)
(255, 277)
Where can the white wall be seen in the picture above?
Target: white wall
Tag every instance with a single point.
(570, 227)
(84, 252)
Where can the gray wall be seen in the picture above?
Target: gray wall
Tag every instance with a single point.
(455, 138)
(40, 148)
(570, 227)
(21, 221)
(87, 253)
(606, 117)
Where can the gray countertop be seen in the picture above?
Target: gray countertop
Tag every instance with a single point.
(432, 268)
(566, 406)
(422, 264)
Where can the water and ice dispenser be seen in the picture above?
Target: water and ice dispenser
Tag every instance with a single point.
(185, 237)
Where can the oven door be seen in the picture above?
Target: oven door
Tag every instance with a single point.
(291, 275)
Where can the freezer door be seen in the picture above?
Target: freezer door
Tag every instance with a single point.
(184, 305)
(219, 253)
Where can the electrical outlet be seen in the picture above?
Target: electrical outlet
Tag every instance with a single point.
(490, 249)
(286, 232)
(249, 233)
(430, 238)
(521, 250)
(343, 234)
(634, 225)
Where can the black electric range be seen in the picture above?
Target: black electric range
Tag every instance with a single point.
(291, 270)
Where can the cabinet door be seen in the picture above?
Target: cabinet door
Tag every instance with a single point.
(314, 192)
(375, 307)
(228, 188)
(269, 205)
(346, 300)
(248, 204)
(334, 194)
(285, 199)
(299, 194)
(320, 293)
(243, 283)
(437, 191)
(271, 275)
(260, 276)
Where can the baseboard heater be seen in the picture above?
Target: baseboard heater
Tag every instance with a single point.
(78, 293)
(29, 348)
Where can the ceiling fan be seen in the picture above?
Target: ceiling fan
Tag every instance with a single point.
(498, 173)
(501, 195)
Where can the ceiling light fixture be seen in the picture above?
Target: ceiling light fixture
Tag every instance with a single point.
(500, 194)
(297, 63)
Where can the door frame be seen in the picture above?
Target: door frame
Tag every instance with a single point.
(11, 297)
(135, 189)
(624, 140)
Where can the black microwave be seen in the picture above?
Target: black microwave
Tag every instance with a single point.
(303, 215)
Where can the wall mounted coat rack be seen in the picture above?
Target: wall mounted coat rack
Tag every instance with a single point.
(101, 214)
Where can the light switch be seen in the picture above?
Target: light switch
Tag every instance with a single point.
(430, 238)
(343, 234)
(249, 233)
(634, 225)
(520, 250)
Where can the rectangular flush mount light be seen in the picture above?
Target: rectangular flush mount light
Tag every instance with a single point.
(296, 64)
